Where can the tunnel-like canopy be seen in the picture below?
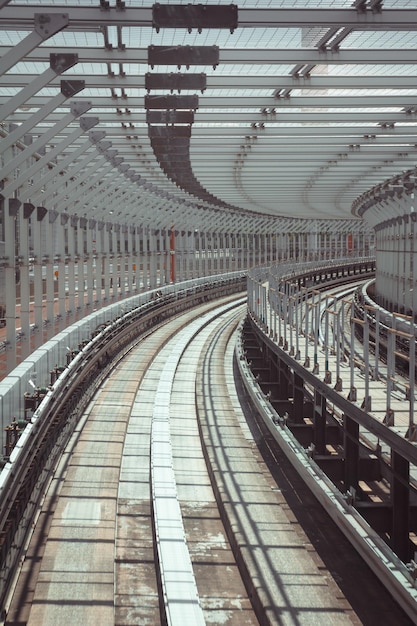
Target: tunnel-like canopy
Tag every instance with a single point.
(210, 115)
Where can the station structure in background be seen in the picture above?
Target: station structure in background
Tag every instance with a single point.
(143, 144)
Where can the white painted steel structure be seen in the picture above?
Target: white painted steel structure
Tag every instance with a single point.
(312, 103)
(388, 567)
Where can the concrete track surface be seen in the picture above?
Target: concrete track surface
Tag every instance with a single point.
(162, 473)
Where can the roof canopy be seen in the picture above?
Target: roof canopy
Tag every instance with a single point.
(285, 108)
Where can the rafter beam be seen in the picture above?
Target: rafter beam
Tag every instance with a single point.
(89, 17)
(233, 56)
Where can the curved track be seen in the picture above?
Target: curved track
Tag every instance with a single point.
(153, 482)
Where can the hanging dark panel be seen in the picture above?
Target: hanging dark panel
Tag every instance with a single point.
(168, 132)
(194, 16)
(176, 82)
(169, 117)
(183, 55)
(171, 102)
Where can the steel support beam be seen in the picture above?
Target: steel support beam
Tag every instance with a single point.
(45, 26)
(319, 427)
(400, 495)
(87, 17)
(351, 450)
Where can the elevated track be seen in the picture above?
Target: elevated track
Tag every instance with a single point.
(161, 463)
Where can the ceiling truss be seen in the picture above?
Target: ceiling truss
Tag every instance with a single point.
(280, 113)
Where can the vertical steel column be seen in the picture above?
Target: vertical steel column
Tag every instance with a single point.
(411, 373)
(70, 277)
(319, 427)
(81, 271)
(182, 255)
(11, 208)
(23, 278)
(285, 318)
(279, 301)
(413, 261)
(228, 252)
(298, 395)
(107, 240)
(259, 302)
(221, 252)
(278, 309)
(276, 314)
(216, 252)
(202, 254)
(22, 261)
(407, 264)
(283, 381)
(236, 237)
(208, 253)
(128, 247)
(272, 315)
(124, 260)
(38, 278)
(327, 373)
(99, 259)
(390, 361)
(61, 241)
(367, 354)
(112, 257)
(306, 326)
(351, 450)
(392, 268)
(253, 250)
(172, 255)
(400, 497)
(377, 338)
(136, 259)
(152, 260)
(166, 256)
(298, 311)
(352, 393)
(338, 347)
(290, 318)
(253, 296)
(249, 289)
(397, 264)
(197, 254)
(335, 314)
(90, 263)
(366, 360)
(190, 253)
(316, 305)
(161, 257)
(51, 274)
(256, 299)
(385, 283)
(145, 258)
